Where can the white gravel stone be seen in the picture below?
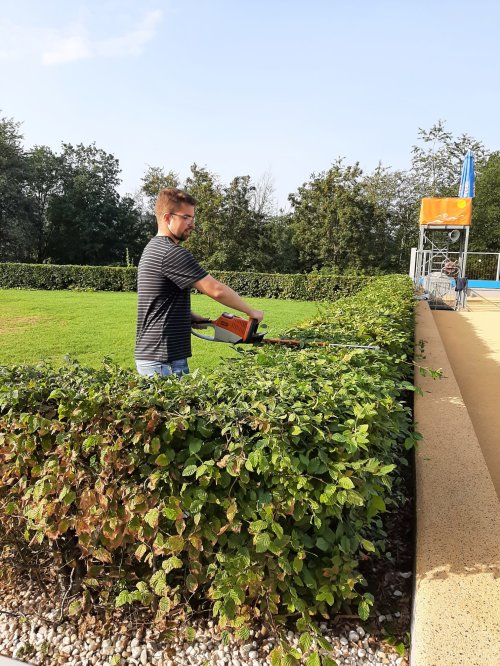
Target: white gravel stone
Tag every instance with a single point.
(59, 645)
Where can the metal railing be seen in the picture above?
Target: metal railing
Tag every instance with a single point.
(482, 265)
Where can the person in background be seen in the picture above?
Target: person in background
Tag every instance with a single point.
(167, 272)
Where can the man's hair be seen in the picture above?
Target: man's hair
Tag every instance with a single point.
(169, 199)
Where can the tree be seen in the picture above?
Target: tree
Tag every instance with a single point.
(274, 249)
(262, 196)
(335, 224)
(16, 232)
(84, 214)
(154, 180)
(485, 227)
(438, 165)
(205, 187)
(130, 234)
(43, 180)
(395, 197)
(242, 228)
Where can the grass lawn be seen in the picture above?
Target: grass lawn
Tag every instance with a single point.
(49, 325)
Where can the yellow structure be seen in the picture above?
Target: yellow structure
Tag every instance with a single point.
(450, 211)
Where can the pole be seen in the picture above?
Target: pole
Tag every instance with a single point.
(413, 261)
(466, 244)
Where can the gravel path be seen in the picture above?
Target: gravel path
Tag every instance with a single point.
(30, 631)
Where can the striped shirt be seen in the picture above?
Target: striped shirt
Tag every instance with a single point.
(165, 275)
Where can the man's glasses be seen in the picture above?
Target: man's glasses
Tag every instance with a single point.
(186, 217)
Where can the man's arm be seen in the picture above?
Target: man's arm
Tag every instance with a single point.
(221, 293)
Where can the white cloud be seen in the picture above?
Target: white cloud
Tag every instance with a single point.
(74, 47)
(73, 43)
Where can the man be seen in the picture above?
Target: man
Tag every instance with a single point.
(166, 274)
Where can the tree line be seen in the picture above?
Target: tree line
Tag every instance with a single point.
(64, 207)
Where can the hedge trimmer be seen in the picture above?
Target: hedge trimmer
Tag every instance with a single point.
(234, 330)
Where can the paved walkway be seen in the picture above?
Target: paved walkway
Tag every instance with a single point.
(472, 343)
(456, 608)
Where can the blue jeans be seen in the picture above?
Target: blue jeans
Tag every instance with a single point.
(150, 368)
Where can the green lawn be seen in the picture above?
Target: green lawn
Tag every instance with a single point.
(49, 325)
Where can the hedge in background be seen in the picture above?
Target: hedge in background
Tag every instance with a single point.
(51, 276)
(107, 278)
(256, 489)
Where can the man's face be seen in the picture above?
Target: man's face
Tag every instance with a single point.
(181, 223)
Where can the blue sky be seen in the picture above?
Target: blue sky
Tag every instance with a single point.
(279, 87)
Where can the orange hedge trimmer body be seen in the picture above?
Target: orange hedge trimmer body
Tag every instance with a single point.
(235, 330)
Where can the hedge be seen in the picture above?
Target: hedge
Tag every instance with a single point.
(257, 489)
(312, 287)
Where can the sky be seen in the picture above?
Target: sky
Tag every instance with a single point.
(267, 88)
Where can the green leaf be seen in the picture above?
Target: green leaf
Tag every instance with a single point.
(75, 607)
(313, 659)
(324, 643)
(328, 661)
(243, 633)
(262, 542)
(368, 545)
(276, 656)
(190, 634)
(171, 563)
(257, 526)
(189, 470)
(158, 582)
(122, 599)
(345, 482)
(400, 649)
(201, 470)
(387, 469)
(376, 505)
(91, 442)
(191, 583)
(323, 545)
(305, 641)
(169, 513)
(278, 530)
(194, 445)
(175, 543)
(162, 460)
(152, 517)
(363, 610)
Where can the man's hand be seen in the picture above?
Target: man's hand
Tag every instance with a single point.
(198, 322)
(256, 314)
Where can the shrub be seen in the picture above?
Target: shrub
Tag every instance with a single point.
(257, 488)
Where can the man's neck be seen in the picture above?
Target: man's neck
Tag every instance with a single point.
(169, 234)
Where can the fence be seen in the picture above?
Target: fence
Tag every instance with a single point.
(483, 266)
(480, 265)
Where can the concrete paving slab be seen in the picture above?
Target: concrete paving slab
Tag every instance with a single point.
(472, 343)
(456, 614)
